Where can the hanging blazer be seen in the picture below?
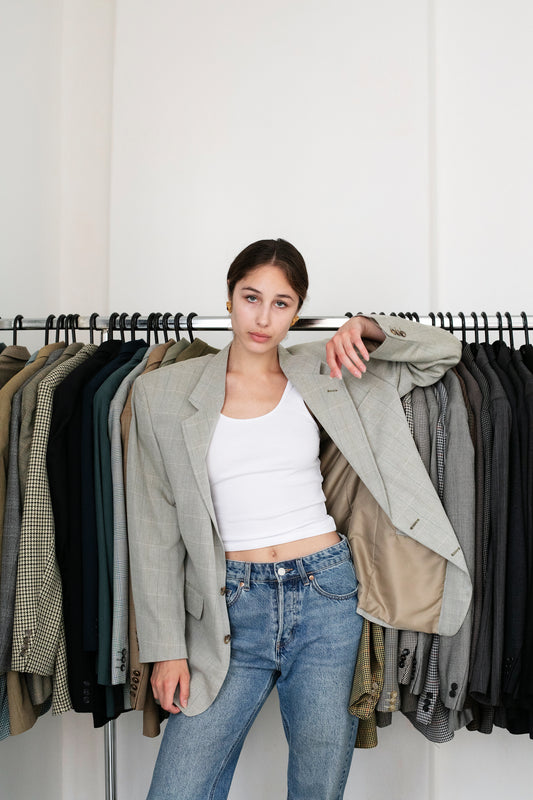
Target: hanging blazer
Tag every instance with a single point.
(410, 566)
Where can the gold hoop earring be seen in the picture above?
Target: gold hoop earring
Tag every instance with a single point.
(295, 320)
(229, 306)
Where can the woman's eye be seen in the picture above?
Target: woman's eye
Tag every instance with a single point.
(281, 304)
(251, 298)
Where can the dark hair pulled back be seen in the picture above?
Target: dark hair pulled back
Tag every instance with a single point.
(277, 252)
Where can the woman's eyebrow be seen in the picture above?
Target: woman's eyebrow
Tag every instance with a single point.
(257, 291)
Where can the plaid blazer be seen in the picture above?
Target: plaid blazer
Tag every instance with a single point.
(38, 632)
(177, 556)
(368, 683)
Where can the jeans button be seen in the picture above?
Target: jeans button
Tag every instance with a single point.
(281, 571)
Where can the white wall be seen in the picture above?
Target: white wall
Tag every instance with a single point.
(145, 144)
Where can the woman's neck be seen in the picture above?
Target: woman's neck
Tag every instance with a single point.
(259, 364)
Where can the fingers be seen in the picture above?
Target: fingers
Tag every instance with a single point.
(346, 349)
(184, 689)
(167, 676)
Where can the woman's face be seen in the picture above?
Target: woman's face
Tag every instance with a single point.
(263, 306)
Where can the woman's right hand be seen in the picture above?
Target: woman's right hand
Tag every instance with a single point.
(166, 677)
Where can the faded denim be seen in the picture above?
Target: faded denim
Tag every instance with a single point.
(295, 625)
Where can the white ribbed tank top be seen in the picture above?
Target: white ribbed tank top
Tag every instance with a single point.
(265, 477)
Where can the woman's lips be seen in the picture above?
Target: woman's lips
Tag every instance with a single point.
(259, 337)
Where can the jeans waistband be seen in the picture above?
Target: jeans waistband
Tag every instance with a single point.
(266, 571)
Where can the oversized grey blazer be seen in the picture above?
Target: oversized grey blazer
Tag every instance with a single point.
(177, 554)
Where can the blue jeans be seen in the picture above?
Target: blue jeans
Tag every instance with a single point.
(293, 624)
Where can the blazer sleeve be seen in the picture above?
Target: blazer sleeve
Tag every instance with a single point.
(156, 548)
(412, 354)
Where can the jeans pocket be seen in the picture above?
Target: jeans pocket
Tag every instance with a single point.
(338, 582)
(233, 591)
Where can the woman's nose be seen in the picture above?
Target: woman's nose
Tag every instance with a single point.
(263, 317)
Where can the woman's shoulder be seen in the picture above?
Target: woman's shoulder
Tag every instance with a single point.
(311, 350)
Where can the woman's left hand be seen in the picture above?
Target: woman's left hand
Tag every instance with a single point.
(347, 348)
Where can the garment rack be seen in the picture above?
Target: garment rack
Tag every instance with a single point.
(479, 323)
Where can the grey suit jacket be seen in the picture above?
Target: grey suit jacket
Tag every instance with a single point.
(459, 503)
(119, 643)
(177, 555)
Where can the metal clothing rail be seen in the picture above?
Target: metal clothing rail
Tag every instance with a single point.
(459, 324)
(479, 323)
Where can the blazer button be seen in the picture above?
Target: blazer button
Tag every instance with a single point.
(227, 638)
(222, 590)
(402, 333)
(136, 672)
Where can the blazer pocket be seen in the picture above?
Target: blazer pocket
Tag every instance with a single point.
(194, 602)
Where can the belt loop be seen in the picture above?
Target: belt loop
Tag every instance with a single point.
(247, 573)
(302, 572)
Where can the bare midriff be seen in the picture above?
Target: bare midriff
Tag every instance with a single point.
(286, 551)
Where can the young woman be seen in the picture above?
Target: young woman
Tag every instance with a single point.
(242, 580)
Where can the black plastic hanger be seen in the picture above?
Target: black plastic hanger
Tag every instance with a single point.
(476, 326)
(60, 325)
(92, 326)
(463, 326)
(17, 326)
(74, 322)
(112, 324)
(500, 325)
(525, 324)
(164, 324)
(450, 321)
(48, 325)
(510, 329)
(189, 325)
(122, 325)
(133, 324)
(177, 318)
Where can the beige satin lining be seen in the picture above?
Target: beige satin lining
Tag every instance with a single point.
(401, 580)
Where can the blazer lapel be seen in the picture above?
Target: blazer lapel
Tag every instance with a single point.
(332, 405)
(208, 399)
